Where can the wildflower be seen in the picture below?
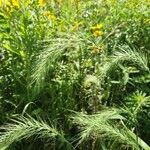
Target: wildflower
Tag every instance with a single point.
(97, 33)
(42, 2)
(4, 3)
(96, 30)
(9, 4)
(1, 3)
(15, 3)
(50, 16)
(97, 27)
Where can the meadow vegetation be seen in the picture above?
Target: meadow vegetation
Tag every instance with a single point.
(74, 74)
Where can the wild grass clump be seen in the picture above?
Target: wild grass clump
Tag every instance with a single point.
(83, 65)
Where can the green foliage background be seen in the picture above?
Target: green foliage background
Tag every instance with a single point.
(75, 74)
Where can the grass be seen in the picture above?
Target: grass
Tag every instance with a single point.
(84, 65)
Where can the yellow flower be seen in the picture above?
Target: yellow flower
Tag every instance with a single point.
(97, 27)
(96, 30)
(4, 3)
(97, 33)
(15, 3)
(42, 2)
(1, 3)
(10, 3)
(50, 15)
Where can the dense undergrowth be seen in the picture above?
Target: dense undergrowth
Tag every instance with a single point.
(74, 74)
